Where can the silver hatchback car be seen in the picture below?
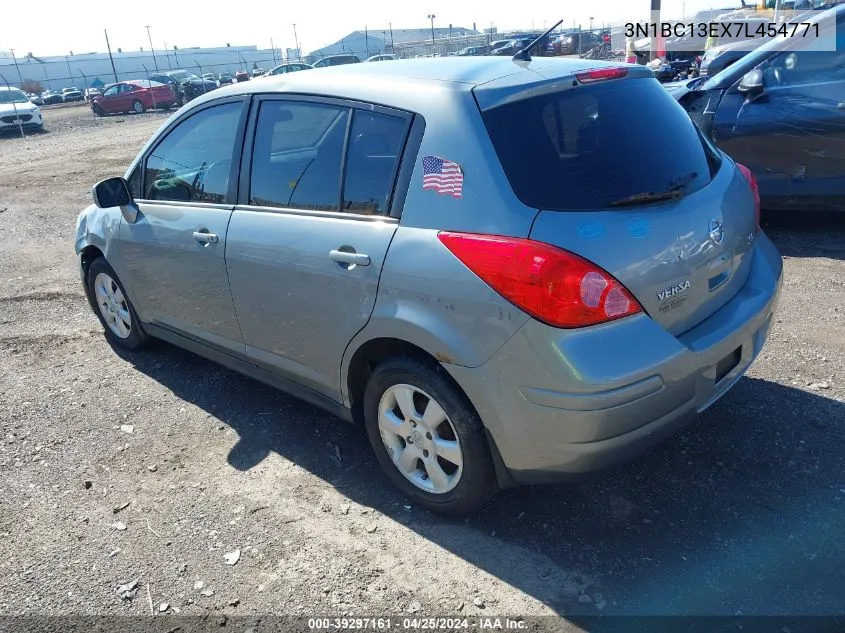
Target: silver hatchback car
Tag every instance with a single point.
(508, 272)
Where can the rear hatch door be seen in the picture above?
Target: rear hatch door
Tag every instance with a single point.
(622, 177)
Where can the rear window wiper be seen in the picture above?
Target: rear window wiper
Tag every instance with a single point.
(645, 198)
(673, 193)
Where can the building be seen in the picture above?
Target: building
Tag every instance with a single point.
(402, 42)
(94, 69)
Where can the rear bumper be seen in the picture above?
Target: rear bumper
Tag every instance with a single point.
(560, 403)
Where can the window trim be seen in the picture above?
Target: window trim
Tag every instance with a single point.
(232, 191)
(351, 105)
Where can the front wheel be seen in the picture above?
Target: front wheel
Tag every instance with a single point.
(138, 107)
(427, 437)
(114, 309)
(98, 111)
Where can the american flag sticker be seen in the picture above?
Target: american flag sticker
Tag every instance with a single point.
(443, 176)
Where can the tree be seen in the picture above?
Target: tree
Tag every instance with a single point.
(32, 86)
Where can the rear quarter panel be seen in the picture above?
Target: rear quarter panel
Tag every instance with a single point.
(426, 296)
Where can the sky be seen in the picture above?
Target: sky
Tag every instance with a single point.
(74, 25)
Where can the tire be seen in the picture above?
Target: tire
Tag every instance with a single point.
(138, 107)
(118, 317)
(463, 487)
(98, 111)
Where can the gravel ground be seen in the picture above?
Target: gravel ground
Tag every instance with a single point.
(159, 466)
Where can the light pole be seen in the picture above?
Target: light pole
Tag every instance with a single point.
(431, 17)
(149, 37)
(591, 23)
(296, 41)
(69, 71)
(15, 59)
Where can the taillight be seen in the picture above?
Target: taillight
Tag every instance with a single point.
(755, 188)
(601, 74)
(551, 284)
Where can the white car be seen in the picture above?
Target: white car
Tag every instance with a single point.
(382, 58)
(16, 109)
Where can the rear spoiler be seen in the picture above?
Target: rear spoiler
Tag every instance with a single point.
(546, 78)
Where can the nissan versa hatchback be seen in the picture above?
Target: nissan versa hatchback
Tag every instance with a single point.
(458, 255)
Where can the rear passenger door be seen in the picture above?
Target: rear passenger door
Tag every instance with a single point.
(308, 238)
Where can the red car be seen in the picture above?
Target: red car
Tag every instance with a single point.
(136, 95)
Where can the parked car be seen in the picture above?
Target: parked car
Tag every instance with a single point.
(71, 94)
(779, 110)
(186, 85)
(385, 57)
(720, 57)
(241, 75)
(225, 78)
(336, 60)
(543, 328)
(51, 97)
(91, 93)
(137, 95)
(209, 77)
(16, 111)
(287, 68)
(257, 72)
(35, 99)
(472, 50)
(575, 43)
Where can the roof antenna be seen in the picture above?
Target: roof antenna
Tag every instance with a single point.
(524, 55)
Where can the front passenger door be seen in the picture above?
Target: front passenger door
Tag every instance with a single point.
(175, 252)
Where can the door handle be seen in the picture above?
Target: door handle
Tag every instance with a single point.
(205, 237)
(345, 257)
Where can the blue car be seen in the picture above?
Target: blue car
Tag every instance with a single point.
(780, 110)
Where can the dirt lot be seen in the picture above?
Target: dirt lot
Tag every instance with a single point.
(741, 514)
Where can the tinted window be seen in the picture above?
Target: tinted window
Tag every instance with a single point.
(111, 91)
(296, 159)
(193, 162)
(375, 145)
(587, 147)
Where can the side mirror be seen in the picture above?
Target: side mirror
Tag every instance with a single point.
(114, 192)
(752, 83)
(111, 192)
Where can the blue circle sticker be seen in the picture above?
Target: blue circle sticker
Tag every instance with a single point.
(639, 228)
(591, 230)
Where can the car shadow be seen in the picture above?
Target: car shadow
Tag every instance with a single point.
(740, 513)
(806, 234)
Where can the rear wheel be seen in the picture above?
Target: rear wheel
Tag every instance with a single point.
(114, 309)
(427, 437)
(138, 107)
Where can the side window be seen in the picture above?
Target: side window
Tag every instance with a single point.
(124, 88)
(296, 159)
(193, 161)
(375, 145)
(807, 66)
(111, 91)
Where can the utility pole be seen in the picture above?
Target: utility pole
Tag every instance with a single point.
(175, 56)
(149, 37)
(15, 59)
(167, 55)
(431, 17)
(367, 40)
(273, 50)
(111, 59)
(655, 17)
(69, 71)
(296, 41)
(392, 45)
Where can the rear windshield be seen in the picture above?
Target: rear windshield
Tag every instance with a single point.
(590, 146)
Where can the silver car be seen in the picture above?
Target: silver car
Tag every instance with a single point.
(496, 268)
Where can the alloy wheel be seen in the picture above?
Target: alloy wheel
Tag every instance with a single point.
(113, 305)
(420, 439)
